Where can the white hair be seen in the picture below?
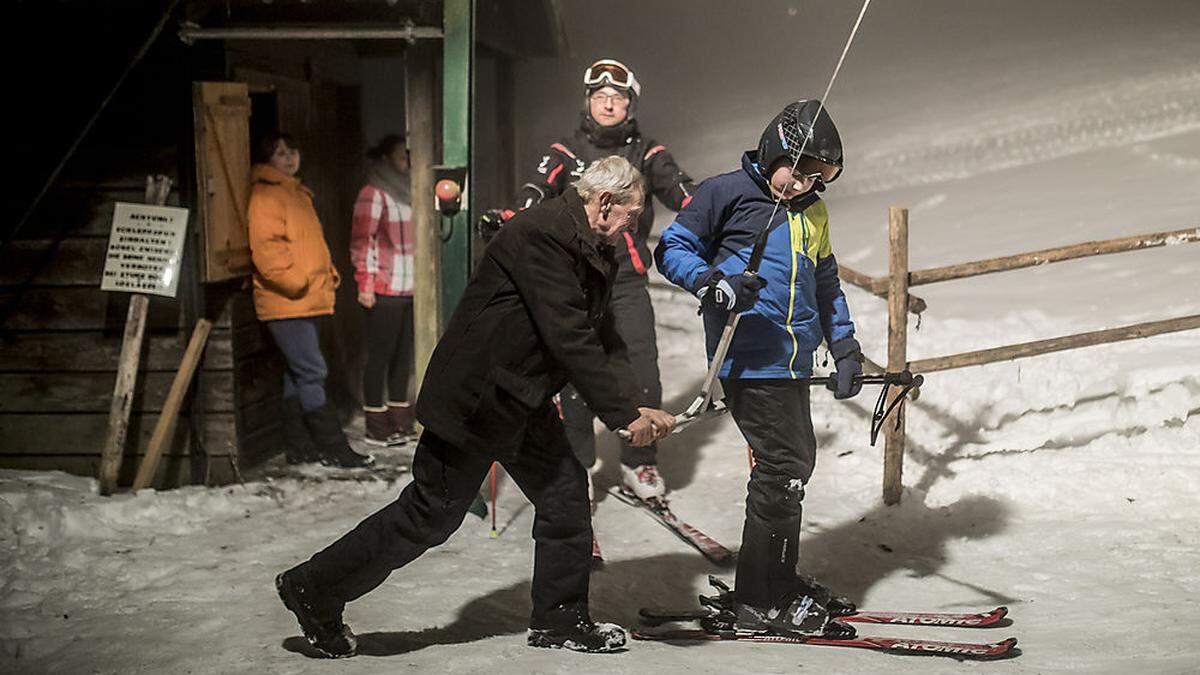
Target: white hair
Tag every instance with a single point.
(611, 174)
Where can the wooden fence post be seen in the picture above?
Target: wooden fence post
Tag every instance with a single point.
(427, 267)
(157, 189)
(893, 452)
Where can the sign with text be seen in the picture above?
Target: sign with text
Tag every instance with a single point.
(145, 249)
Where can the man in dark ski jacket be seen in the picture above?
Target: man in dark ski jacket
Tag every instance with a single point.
(788, 307)
(534, 316)
(607, 127)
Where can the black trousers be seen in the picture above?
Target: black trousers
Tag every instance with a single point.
(776, 419)
(445, 481)
(389, 337)
(634, 316)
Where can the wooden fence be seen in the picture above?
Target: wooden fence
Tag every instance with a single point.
(895, 288)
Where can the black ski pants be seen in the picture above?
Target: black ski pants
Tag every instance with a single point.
(776, 419)
(431, 507)
(634, 315)
(389, 350)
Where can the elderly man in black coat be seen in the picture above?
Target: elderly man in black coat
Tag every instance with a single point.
(534, 317)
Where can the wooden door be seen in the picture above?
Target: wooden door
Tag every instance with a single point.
(222, 125)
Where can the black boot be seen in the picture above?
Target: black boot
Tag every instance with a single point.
(298, 444)
(585, 636)
(320, 618)
(331, 442)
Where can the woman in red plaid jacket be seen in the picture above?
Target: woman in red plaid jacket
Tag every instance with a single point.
(381, 248)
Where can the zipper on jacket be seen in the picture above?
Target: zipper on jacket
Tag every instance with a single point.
(799, 244)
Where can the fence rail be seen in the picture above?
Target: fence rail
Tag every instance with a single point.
(896, 287)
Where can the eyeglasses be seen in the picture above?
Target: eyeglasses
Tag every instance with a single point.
(617, 99)
(610, 71)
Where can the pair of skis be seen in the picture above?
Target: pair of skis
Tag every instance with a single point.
(715, 622)
(659, 510)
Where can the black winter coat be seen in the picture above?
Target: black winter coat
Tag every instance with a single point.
(566, 160)
(534, 316)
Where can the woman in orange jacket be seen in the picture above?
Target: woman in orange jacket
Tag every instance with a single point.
(294, 283)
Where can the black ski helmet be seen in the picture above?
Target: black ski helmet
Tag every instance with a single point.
(785, 136)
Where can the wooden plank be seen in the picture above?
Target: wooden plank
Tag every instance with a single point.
(121, 401)
(427, 302)
(76, 308)
(893, 453)
(877, 287)
(259, 379)
(82, 434)
(72, 262)
(96, 351)
(1058, 344)
(174, 471)
(78, 213)
(1053, 255)
(92, 392)
(166, 421)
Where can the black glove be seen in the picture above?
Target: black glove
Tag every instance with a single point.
(847, 359)
(737, 293)
(490, 223)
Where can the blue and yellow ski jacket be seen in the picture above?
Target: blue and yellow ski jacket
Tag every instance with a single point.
(803, 300)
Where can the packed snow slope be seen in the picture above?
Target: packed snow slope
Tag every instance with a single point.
(1065, 486)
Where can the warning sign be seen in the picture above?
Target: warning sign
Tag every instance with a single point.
(144, 249)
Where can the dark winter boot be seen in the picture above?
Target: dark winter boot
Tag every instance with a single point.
(379, 429)
(402, 418)
(320, 618)
(298, 444)
(584, 636)
(327, 433)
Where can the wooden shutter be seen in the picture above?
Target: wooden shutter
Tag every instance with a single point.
(222, 120)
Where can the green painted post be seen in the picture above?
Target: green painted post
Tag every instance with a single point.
(458, 55)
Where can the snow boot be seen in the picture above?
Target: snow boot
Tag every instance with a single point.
(379, 431)
(584, 636)
(643, 482)
(298, 446)
(403, 420)
(320, 619)
(331, 441)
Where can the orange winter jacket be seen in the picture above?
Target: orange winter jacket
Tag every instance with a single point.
(293, 273)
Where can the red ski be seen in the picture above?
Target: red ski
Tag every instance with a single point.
(959, 650)
(654, 617)
(967, 620)
(658, 509)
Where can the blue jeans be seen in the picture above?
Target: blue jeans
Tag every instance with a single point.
(306, 370)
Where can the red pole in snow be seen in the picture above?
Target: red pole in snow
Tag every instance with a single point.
(493, 481)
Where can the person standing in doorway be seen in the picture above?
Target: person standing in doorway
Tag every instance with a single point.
(294, 284)
(381, 249)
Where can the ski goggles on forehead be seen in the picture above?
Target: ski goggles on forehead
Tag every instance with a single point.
(613, 73)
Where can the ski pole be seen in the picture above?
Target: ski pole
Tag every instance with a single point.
(905, 379)
(493, 481)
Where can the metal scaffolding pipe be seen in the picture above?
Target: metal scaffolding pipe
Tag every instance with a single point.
(189, 33)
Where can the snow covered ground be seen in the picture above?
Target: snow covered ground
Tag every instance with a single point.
(1064, 486)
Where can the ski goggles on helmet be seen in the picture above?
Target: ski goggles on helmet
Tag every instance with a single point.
(613, 73)
(809, 168)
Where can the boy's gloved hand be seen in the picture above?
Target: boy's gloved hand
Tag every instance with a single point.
(737, 293)
(847, 359)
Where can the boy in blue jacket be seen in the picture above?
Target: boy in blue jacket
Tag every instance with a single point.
(792, 304)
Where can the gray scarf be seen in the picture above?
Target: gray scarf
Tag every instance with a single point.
(395, 184)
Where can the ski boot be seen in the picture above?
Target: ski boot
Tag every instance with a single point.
(795, 615)
(836, 605)
(321, 622)
(584, 636)
(643, 482)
